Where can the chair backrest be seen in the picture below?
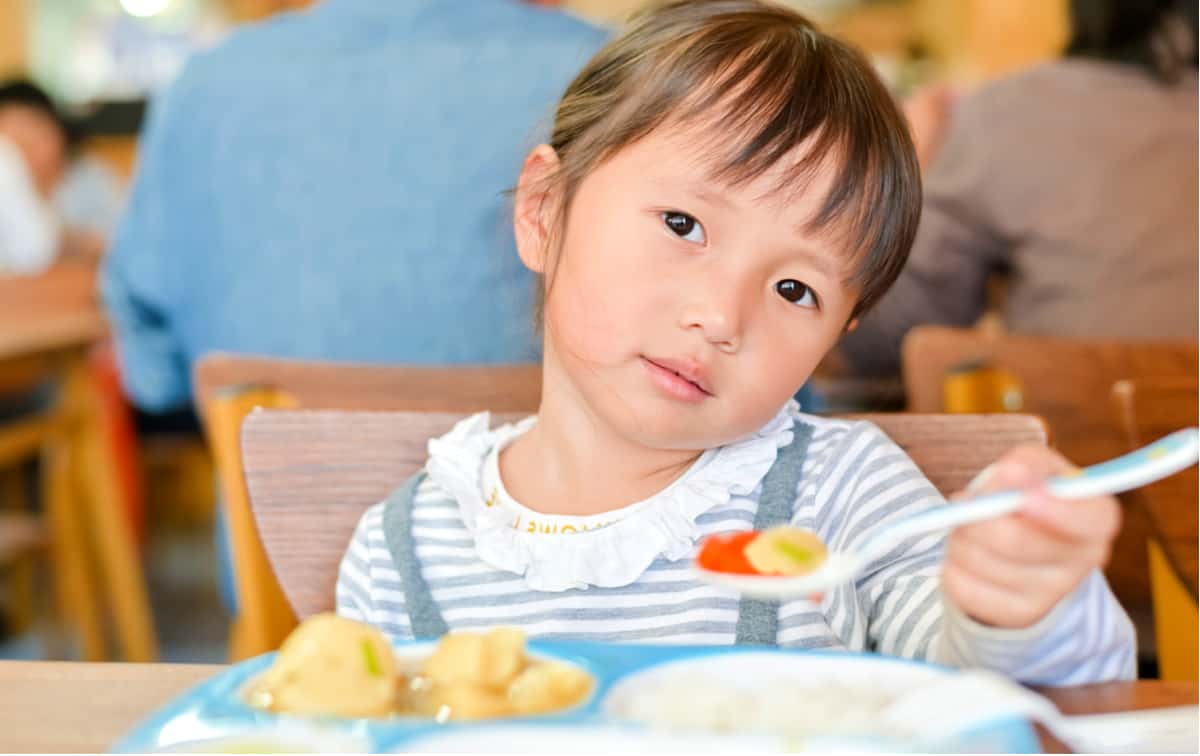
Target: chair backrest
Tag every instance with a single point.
(349, 386)
(1149, 409)
(311, 474)
(1067, 383)
(230, 386)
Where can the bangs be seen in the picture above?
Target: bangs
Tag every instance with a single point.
(763, 88)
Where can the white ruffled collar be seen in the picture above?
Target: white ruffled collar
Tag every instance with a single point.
(611, 549)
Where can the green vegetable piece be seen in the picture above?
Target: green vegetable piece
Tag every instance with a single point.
(372, 661)
(797, 554)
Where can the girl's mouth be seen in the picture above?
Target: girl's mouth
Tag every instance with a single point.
(678, 380)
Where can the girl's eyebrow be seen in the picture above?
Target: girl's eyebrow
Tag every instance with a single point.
(709, 196)
(698, 190)
(820, 259)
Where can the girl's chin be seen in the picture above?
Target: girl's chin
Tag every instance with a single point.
(655, 431)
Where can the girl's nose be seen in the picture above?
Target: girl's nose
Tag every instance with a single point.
(717, 318)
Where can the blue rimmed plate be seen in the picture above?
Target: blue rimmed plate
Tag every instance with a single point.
(214, 716)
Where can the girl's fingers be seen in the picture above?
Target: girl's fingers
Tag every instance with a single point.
(1027, 466)
(1018, 539)
(992, 604)
(986, 565)
(1021, 468)
(1081, 521)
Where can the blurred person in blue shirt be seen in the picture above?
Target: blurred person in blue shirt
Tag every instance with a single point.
(330, 185)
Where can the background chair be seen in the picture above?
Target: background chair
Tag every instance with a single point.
(229, 386)
(1067, 383)
(1148, 409)
(311, 474)
(50, 325)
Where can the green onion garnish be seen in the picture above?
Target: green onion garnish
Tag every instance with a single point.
(372, 661)
(797, 554)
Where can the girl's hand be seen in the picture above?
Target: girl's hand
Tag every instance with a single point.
(1011, 571)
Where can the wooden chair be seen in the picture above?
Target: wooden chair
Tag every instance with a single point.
(48, 326)
(22, 535)
(22, 540)
(1148, 409)
(312, 474)
(1066, 382)
(229, 386)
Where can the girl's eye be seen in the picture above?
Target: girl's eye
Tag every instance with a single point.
(684, 226)
(797, 293)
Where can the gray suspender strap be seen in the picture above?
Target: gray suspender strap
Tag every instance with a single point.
(423, 614)
(758, 620)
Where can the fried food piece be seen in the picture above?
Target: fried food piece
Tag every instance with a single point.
(331, 665)
(548, 686)
(493, 660)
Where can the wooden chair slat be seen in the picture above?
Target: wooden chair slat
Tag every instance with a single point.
(350, 386)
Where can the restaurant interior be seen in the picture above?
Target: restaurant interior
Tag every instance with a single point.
(151, 538)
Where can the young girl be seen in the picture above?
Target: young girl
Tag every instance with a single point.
(725, 191)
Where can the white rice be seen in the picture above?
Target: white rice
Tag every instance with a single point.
(777, 707)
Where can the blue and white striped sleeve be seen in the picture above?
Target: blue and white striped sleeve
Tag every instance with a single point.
(870, 483)
(354, 599)
(1086, 638)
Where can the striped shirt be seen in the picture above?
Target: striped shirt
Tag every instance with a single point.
(854, 480)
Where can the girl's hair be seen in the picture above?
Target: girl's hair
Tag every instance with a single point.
(1157, 35)
(759, 81)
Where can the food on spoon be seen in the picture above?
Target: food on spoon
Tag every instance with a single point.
(783, 550)
(334, 666)
(786, 551)
(727, 553)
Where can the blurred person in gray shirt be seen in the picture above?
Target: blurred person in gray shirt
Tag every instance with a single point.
(1076, 179)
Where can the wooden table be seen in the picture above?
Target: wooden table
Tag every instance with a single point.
(76, 706)
(48, 326)
(64, 707)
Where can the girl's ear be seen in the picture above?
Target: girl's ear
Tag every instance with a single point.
(852, 325)
(534, 209)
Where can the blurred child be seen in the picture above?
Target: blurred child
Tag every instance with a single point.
(33, 156)
(725, 191)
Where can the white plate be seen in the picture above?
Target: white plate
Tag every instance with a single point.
(586, 739)
(785, 695)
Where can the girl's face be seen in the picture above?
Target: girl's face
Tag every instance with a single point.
(40, 141)
(683, 313)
